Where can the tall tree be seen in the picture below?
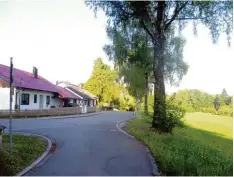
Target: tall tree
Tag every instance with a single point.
(158, 19)
(102, 82)
(216, 104)
(134, 49)
(226, 98)
(134, 78)
(130, 44)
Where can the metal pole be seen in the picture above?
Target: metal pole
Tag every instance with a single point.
(10, 114)
(20, 96)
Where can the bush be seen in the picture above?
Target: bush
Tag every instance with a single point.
(8, 164)
(225, 111)
(209, 110)
(174, 115)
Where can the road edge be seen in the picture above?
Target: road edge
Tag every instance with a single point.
(152, 161)
(56, 117)
(40, 158)
(70, 116)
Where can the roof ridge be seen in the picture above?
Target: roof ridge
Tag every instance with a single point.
(39, 76)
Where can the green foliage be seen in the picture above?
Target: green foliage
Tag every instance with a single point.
(150, 103)
(127, 102)
(191, 151)
(134, 78)
(9, 165)
(197, 101)
(174, 65)
(225, 110)
(159, 19)
(26, 149)
(226, 98)
(132, 54)
(216, 103)
(105, 83)
(102, 82)
(174, 116)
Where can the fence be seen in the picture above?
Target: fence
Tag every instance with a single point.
(47, 112)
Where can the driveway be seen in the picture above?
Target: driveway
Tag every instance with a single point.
(88, 146)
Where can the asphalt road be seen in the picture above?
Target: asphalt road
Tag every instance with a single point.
(88, 146)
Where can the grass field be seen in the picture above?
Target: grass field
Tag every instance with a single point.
(26, 149)
(204, 147)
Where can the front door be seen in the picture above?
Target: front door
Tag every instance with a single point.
(41, 102)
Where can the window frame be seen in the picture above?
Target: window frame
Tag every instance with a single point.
(47, 100)
(35, 98)
(23, 98)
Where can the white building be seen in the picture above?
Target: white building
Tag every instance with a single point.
(31, 91)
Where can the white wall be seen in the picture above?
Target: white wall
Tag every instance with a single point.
(57, 102)
(53, 101)
(5, 99)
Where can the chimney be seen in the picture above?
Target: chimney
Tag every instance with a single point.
(35, 72)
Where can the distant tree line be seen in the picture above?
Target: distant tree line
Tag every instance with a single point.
(198, 101)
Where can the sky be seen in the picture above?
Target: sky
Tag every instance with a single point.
(63, 38)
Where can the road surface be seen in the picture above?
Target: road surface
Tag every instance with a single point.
(88, 146)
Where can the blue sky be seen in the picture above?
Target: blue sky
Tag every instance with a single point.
(63, 38)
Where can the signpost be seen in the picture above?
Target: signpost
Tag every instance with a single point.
(10, 113)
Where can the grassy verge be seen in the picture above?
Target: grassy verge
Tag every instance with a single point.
(26, 149)
(204, 147)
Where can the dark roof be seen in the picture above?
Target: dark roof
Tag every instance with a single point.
(77, 91)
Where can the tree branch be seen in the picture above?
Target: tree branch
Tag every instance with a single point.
(176, 13)
(191, 18)
(148, 31)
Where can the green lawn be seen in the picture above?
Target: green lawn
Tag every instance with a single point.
(26, 149)
(204, 147)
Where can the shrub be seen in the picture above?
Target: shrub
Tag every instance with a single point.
(225, 111)
(174, 115)
(8, 164)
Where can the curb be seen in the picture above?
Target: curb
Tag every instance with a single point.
(121, 124)
(152, 161)
(57, 117)
(39, 159)
(64, 117)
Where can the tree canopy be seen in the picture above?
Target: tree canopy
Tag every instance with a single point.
(102, 82)
(161, 18)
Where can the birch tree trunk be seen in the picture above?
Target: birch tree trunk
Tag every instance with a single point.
(159, 86)
(138, 104)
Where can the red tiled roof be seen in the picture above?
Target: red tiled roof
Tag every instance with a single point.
(26, 80)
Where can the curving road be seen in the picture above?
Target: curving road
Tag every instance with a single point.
(88, 146)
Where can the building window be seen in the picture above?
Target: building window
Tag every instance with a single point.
(25, 99)
(35, 98)
(47, 100)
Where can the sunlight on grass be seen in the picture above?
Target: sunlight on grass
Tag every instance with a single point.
(213, 123)
(201, 148)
